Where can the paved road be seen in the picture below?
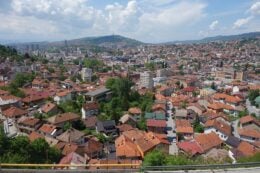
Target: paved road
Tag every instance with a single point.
(173, 149)
(235, 128)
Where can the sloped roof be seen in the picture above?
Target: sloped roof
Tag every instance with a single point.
(61, 118)
(208, 141)
(14, 112)
(71, 135)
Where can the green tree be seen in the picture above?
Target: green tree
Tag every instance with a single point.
(155, 158)
(39, 151)
(252, 95)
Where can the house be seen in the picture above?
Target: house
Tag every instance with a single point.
(249, 122)
(128, 119)
(208, 141)
(190, 147)
(67, 148)
(186, 114)
(62, 96)
(91, 149)
(155, 115)
(222, 129)
(157, 126)
(233, 141)
(14, 112)
(7, 101)
(73, 159)
(135, 112)
(250, 135)
(28, 124)
(90, 122)
(49, 130)
(72, 136)
(227, 99)
(107, 127)
(36, 98)
(184, 129)
(197, 108)
(207, 92)
(244, 149)
(218, 107)
(159, 107)
(134, 144)
(89, 109)
(60, 119)
(100, 94)
(49, 108)
(124, 127)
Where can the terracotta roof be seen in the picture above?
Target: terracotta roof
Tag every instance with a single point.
(93, 146)
(126, 148)
(90, 121)
(73, 158)
(144, 141)
(190, 147)
(124, 127)
(14, 112)
(68, 148)
(29, 121)
(219, 106)
(10, 97)
(134, 110)
(183, 126)
(47, 128)
(61, 118)
(227, 98)
(63, 93)
(247, 149)
(208, 141)
(3, 92)
(219, 125)
(91, 106)
(48, 107)
(34, 135)
(247, 119)
(155, 123)
(249, 133)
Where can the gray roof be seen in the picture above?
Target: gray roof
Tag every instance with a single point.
(233, 141)
(97, 92)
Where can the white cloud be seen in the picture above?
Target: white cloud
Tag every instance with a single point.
(255, 8)
(159, 21)
(241, 22)
(213, 25)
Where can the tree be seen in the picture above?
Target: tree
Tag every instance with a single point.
(67, 126)
(213, 86)
(155, 158)
(252, 95)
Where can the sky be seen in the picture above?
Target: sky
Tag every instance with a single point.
(150, 21)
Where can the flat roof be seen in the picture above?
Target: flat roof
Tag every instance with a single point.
(97, 92)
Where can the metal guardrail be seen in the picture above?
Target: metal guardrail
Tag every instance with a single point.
(199, 167)
(122, 167)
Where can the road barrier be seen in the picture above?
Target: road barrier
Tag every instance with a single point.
(124, 167)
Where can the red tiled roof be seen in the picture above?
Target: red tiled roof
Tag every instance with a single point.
(134, 110)
(219, 125)
(190, 147)
(47, 128)
(34, 135)
(247, 149)
(247, 119)
(155, 123)
(208, 141)
(14, 112)
(249, 133)
(48, 107)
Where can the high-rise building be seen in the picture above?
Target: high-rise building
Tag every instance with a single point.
(86, 74)
(146, 80)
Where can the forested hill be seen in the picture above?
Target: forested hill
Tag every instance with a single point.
(8, 52)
